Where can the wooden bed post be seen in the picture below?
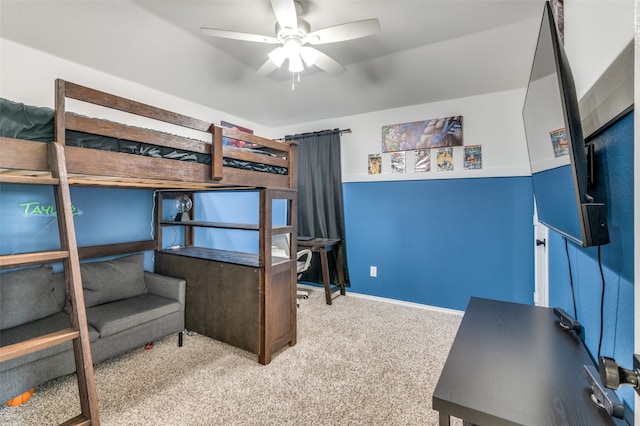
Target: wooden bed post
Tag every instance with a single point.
(293, 164)
(59, 125)
(216, 152)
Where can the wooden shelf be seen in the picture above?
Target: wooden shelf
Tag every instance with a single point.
(223, 225)
(247, 300)
(227, 256)
(227, 225)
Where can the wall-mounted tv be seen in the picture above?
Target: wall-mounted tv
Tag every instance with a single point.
(557, 150)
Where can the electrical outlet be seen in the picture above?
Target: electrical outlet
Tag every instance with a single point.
(373, 271)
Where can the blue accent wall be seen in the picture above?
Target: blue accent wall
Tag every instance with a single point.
(614, 186)
(440, 242)
(104, 216)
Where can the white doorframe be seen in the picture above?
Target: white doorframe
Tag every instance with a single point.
(541, 262)
(636, 207)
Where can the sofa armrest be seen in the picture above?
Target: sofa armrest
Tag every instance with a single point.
(169, 287)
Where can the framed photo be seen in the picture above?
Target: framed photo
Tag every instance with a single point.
(235, 142)
(375, 164)
(444, 159)
(423, 160)
(434, 133)
(473, 157)
(398, 162)
(559, 142)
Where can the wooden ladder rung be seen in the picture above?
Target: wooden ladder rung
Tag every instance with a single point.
(79, 420)
(29, 179)
(33, 258)
(37, 344)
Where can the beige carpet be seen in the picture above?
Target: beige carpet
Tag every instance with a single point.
(357, 362)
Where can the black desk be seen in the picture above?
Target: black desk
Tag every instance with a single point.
(322, 246)
(511, 364)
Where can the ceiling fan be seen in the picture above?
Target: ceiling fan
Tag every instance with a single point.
(294, 36)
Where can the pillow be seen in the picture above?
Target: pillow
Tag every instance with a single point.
(26, 295)
(112, 280)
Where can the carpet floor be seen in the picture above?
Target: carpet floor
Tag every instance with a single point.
(356, 362)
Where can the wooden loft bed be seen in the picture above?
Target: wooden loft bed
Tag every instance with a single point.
(22, 159)
(269, 167)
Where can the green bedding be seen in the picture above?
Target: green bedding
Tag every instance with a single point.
(22, 121)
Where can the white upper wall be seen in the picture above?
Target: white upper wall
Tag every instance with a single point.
(493, 121)
(595, 34)
(27, 75)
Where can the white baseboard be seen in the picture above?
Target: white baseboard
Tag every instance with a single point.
(387, 300)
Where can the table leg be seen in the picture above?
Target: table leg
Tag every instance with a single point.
(445, 420)
(338, 257)
(325, 275)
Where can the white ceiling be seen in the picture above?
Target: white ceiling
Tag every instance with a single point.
(427, 51)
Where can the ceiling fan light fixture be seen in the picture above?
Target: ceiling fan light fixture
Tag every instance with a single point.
(292, 47)
(295, 64)
(278, 56)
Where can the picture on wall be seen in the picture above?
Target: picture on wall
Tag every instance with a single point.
(434, 133)
(559, 142)
(444, 159)
(473, 157)
(375, 164)
(423, 160)
(235, 142)
(558, 13)
(398, 162)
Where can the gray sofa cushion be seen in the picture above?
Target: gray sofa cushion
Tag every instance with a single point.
(112, 280)
(50, 324)
(59, 290)
(26, 295)
(117, 316)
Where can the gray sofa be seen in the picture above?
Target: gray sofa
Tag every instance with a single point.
(126, 307)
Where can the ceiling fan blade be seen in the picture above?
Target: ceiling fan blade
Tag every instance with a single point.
(239, 36)
(285, 11)
(344, 32)
(267, 68)
(325, 62)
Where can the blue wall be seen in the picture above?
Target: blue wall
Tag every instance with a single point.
(614, 186)
(439, 242)
(104, 216)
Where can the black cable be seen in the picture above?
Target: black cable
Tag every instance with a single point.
(573, 293)
(601, 303)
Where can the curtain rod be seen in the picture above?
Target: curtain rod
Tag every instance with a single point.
(341, 131)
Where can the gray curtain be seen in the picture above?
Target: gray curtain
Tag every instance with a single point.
(320, 206)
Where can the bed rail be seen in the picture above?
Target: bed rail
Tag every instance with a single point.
(210, 164)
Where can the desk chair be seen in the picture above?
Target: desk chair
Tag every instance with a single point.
(280, 248)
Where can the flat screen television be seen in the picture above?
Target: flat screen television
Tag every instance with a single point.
(557, 150)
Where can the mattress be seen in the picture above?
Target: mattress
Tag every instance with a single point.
(20, 121)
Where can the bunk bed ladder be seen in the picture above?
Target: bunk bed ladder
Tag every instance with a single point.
(78, 331)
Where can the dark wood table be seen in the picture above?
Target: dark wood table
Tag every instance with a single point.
(322, 246)
(511, 364)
